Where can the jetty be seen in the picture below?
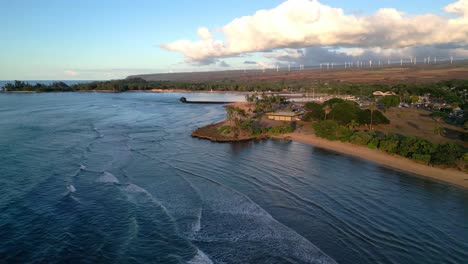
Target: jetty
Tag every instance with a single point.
(185, 101)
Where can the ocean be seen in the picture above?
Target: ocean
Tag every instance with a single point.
(117, 178)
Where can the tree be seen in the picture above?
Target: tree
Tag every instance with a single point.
(414, 99)
(344, 112)
(230, 114)
(327, 109)
(438, 117)
(334, 101)
(331, 130)
(314, 112)
(353, 124)
(362, 137)
(447, 154)
(372, 109)
(411, 146)
(390, 101)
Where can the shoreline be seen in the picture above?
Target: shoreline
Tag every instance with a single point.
(138, 91)
(448, 175)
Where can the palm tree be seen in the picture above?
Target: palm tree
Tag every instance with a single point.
(327, 109)
(230, 112)
(353, 124)
(372, 109)
(438, 129)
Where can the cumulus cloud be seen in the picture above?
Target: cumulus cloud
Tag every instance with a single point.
(316, 55)
(309, 56)
(309, 23)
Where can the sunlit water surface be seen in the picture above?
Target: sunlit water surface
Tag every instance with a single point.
(116, 178)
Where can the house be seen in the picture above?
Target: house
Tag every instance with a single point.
(284, 116)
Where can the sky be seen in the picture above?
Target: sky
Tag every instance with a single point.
(111, 39)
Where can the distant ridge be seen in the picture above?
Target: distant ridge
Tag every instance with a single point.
(421, 73)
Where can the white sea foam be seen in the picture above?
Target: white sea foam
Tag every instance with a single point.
(197, 224)
(232, 217)
(107, 177)
(82, 167)
(71, 188)
(132, 188)
(200, 258)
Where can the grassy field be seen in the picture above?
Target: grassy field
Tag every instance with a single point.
(416, 122)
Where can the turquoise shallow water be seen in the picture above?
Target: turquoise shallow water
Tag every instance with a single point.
(116, 178)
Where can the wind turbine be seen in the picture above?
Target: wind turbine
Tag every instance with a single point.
(401, 62)
(277, 68)
(289, 67)
(451, 59)
(370, 63)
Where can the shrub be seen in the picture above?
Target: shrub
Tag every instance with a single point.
(331, 130)
(362, 137)
(373, 144)
(389, 143)
(415, 145)
(225, 129)
(343, 133)
(282, 129)
(421, 157)
(447, 154)
(326, 129)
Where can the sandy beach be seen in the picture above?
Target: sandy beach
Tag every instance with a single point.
(448, 175)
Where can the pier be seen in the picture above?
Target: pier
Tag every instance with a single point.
(185, 101)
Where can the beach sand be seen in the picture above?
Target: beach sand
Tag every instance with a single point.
(448, 175)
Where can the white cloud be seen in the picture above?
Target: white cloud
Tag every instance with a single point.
(306, 23)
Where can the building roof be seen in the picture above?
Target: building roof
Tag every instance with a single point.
(291, 114)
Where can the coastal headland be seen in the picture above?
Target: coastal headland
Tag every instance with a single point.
(304, 133)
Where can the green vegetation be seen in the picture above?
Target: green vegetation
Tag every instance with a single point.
(241, 125)
(419, 149)
(265, 103)
(331, 130)
(345, 113)
(390, 101)
(314, 112)
(453, 91)
(286, 127)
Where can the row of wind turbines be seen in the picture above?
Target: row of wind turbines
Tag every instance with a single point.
(361, 64)
(369, 64)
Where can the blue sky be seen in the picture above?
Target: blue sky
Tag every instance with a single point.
(88, 39)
